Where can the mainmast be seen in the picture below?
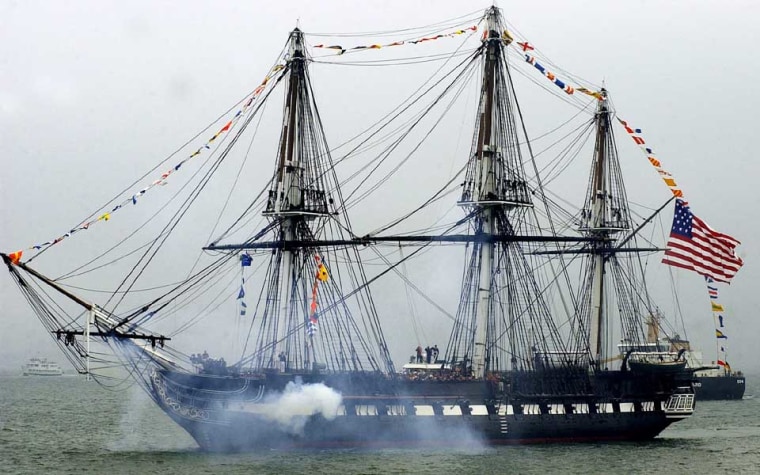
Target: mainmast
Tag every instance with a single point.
(484, 194)
(494, 186)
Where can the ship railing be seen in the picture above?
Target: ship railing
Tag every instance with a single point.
(658, 347)
(652, 356)
(679, 405)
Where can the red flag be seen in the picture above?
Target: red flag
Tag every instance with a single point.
(526, 46)
(695, 246)
(15, 257)
(226, 127)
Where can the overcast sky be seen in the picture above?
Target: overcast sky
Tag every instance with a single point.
(93, 94)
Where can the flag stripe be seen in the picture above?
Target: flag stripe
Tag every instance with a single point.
(679, 247)
(685, 247)
(702, 225)
(685, 264)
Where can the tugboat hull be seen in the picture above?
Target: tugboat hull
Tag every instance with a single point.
(715, 388)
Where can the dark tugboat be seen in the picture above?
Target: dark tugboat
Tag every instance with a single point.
(315, 369)
(713, 382)
(717, 384)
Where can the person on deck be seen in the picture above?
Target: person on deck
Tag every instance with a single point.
(428, 354)
(419, 354)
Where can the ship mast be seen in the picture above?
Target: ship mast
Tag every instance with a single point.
(605, 215)
(485, 190)
(296, 197)
(495, 192)
(286, 200)
(300, 324)
(503, 320)
(598, 221)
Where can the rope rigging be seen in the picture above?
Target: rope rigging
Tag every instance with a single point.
(303, 204)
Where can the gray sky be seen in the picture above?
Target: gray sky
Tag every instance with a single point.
(92, 94)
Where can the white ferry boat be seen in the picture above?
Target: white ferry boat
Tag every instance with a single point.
(41, 367)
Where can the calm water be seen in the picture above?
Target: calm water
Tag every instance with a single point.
(67, 425)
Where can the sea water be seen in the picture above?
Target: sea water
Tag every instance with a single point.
(69, 425)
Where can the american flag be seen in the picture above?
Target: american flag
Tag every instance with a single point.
(694, 245)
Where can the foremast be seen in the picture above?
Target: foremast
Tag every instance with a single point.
(285, 206)
(299, 324)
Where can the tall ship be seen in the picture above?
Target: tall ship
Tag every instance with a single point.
(545, 289)
(41, 367)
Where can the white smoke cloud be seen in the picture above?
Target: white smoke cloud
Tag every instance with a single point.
(298, 402)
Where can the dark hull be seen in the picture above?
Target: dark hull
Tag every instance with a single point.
(246, 432)
(236, 414)
(717, 388)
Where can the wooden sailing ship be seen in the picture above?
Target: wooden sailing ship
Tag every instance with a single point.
(316, 369)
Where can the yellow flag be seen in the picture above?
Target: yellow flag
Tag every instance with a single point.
(716, 307)
(322, 273)
(595, 94)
